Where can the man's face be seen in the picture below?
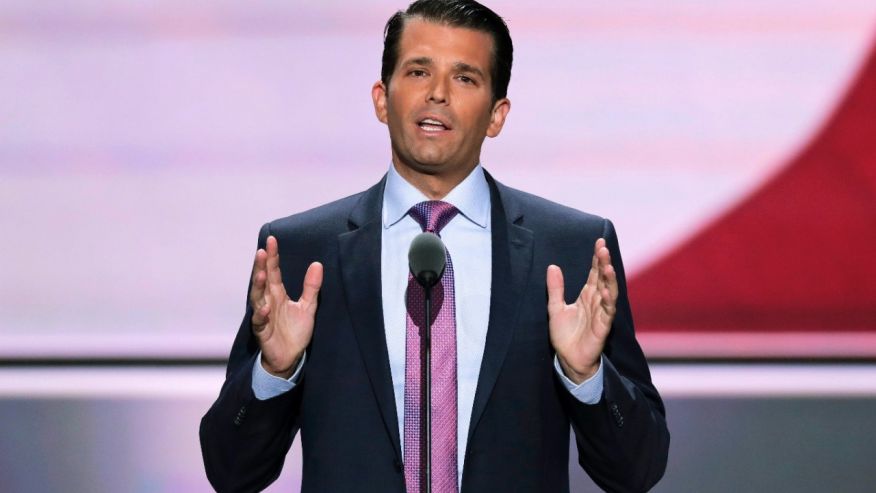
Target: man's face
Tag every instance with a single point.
(438, 105)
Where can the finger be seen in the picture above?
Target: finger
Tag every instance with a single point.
(257, 291)
(602, 253)
(259, 275)
(255, 262)
(603, 259)
(611, 286)
(260, 317)
(609, 290)
(593, 275)
(608, 276)
(273, 262)
(312, 283)
(555, 289)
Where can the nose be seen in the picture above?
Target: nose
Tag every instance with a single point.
(438, 91)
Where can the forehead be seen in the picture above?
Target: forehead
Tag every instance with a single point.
(445, 44)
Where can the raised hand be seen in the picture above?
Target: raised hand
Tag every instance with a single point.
(283, 327)
(578, 331)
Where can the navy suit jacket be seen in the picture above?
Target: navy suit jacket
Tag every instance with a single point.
(344, 408)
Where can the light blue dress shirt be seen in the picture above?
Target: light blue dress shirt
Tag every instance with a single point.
(468, 239)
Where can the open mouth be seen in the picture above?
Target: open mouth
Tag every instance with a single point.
(432, 125)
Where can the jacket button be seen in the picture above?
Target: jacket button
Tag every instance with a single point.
(616, 414)
(240, 415)
(399, 467)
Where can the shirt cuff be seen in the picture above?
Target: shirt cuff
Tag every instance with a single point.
(589, 391)
(266, 386)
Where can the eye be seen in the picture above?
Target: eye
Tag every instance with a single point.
(465, 79)
(417, 72)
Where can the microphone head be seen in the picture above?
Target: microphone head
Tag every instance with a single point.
(427, 258)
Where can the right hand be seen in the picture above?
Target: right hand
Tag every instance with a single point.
(283, 327)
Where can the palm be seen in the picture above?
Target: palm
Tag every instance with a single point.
(578, 331)
(289, 326)
(282, 326)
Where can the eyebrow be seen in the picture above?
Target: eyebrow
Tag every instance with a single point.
(423, 60)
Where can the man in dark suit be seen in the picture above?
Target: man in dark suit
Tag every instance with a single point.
(335, 364)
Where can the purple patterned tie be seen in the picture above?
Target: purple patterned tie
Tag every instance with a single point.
(432, 216)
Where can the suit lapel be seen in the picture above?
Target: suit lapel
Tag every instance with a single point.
(361, 273)
(512, 262)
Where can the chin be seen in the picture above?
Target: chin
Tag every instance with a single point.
(430, 163)
(428, 168)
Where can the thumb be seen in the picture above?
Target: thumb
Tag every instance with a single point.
(555, 289)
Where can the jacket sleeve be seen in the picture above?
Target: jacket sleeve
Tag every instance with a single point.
(623, 441)
(244, 440)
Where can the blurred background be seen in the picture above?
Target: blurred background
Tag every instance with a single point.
(142, 145)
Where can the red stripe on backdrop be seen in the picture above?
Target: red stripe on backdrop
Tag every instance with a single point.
(798, 255)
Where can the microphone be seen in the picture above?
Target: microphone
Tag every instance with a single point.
(427, 259)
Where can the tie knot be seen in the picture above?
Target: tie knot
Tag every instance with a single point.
(433, 215)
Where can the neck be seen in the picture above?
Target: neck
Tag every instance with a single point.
(434, 186)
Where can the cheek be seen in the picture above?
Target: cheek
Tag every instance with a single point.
(477, 125)
(397, 112)
(394, 118)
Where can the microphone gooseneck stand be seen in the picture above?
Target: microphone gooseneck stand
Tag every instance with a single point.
(426, 397)
(427, 258)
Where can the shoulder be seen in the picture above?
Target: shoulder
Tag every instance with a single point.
(331, 216)
(321, 225)
(537, 213)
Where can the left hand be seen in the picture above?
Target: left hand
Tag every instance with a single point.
(578, 331)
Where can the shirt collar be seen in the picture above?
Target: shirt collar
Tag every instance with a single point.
(471, 197)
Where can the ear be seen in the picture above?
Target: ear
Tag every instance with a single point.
(497, 117)
(378, 95)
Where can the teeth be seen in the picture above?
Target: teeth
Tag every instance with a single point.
(431, 125)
